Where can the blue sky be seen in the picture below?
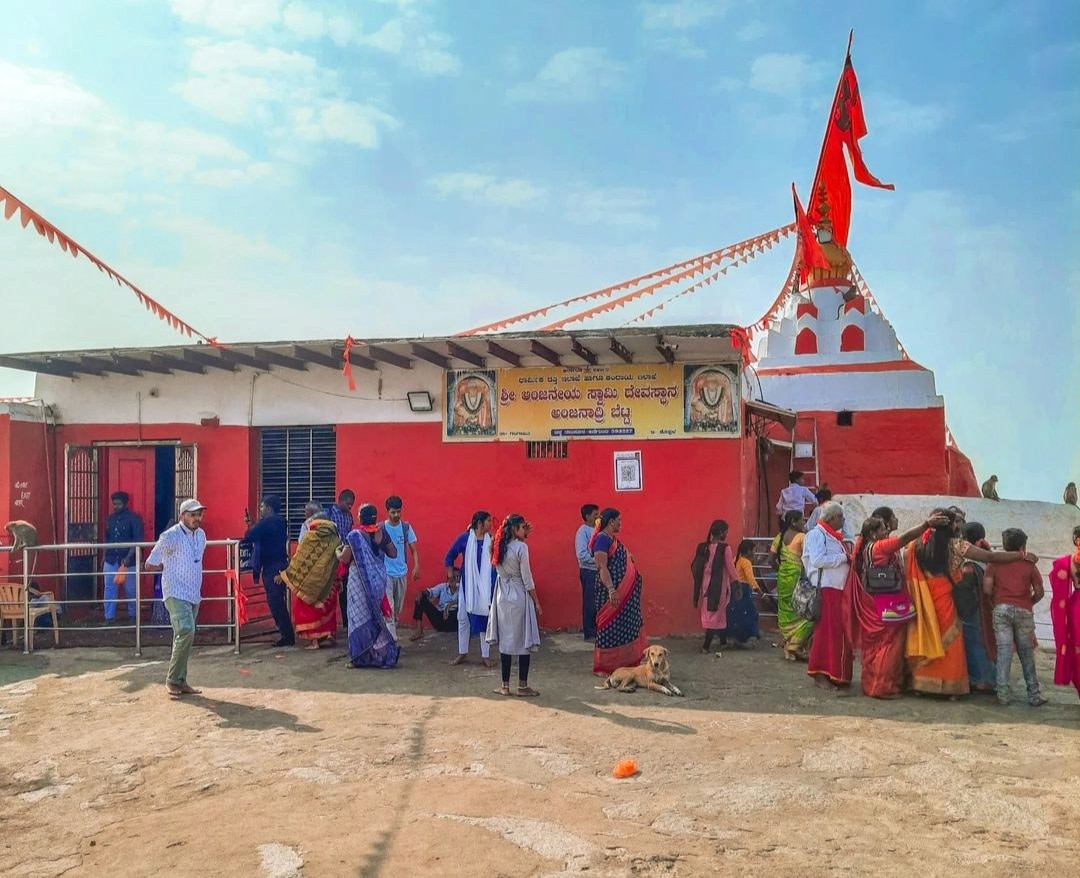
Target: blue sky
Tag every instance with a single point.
(283, 169)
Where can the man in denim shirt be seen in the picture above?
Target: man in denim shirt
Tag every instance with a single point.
(122, 526)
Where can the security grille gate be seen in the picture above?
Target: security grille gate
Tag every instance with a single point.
(298, 465)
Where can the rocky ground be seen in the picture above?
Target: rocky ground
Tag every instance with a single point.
(291, 764)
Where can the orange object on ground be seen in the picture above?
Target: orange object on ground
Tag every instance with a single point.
(626, 768)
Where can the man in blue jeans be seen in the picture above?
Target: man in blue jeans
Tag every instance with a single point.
(270, 544)
(587, 572)
(122, 526)
(178, 554)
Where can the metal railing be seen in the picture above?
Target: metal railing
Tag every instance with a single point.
(230, 571)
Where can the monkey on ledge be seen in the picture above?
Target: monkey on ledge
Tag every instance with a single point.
(989, 488)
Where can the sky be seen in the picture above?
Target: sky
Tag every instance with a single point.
(290, 169)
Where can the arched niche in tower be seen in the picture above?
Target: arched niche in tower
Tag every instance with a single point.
(852, 339)
(806, 341)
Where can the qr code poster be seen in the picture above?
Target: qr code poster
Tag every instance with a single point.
(628, 471)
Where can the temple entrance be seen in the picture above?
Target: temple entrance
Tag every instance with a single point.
(157, 477)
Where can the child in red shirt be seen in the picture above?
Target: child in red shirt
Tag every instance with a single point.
(1014, 589)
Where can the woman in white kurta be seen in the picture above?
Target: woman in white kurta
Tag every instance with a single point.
(512, 624)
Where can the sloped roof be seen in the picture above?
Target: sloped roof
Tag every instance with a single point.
(556, 348)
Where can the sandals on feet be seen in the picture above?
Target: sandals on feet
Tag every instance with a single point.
(526, 692)
(504, 691)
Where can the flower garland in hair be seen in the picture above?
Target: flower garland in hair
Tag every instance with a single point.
(596, 531)
(495, 541)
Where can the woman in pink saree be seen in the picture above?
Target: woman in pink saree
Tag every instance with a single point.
(1065, 615)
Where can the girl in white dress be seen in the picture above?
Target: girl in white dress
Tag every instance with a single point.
(512, 623)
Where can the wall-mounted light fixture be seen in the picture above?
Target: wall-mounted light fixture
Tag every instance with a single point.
(420, 401)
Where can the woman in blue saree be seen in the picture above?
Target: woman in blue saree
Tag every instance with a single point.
(371, 645)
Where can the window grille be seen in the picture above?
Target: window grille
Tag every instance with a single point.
(298, 464)
(83, 503)
(552, 450)
(183, 476)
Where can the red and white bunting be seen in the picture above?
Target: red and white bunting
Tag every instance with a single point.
(69, 245)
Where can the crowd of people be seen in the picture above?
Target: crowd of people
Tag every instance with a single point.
(932, 610)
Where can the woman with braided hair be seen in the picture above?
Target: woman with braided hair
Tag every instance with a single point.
(512, 624)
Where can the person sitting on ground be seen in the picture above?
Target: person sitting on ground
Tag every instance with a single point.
(1014, 588)
(440, 604)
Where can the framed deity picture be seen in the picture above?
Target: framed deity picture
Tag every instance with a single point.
(628, 471)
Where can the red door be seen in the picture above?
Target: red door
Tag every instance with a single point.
(132, 470)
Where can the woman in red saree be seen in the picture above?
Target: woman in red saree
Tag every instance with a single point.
(1065, 616)
(935, 646)
(620, 632)
(311, 577)
(877, 623)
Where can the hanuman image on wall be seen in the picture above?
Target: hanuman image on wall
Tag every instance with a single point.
(470, 404)
(712, 403)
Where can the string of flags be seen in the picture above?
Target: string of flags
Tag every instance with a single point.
(686, 268)
(708, 279)
(50, 232)
(740, 254)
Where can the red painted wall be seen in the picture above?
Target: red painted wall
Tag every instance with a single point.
(27, 479)
(5, 486)
(962, 481)
(687, 483)
(883, 452)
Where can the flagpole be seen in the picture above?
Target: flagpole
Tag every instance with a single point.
(828, 127)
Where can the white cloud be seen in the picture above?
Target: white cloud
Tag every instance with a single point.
(681, 14)
(107, 162)
(751, 31)
(287, 93)
(311, 24)
(31, 97)
(618, 206)
(487, 189)
(574, 75)
(410, 35)
(228, 16)
(894, 116)
(786, 75)
(344, 121)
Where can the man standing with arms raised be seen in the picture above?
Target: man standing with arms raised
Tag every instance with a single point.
(178, 554)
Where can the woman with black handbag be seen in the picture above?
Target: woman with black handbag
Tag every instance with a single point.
(879, 606)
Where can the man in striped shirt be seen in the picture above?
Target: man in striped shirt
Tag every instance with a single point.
(178, 554)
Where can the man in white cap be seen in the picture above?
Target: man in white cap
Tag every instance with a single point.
(179, 555)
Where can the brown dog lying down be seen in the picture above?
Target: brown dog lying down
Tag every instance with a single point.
(653, 673)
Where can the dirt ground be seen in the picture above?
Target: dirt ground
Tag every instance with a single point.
(292, 764)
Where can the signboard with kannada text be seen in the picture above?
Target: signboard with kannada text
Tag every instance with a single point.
(647, 401)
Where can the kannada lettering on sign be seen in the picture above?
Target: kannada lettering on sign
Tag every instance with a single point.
(655, 401)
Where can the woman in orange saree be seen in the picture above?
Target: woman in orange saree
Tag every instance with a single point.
(878, 621)
(935, 645)
(620, 632)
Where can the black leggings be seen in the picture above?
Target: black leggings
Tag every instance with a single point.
(523, 668)
(711, 632)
